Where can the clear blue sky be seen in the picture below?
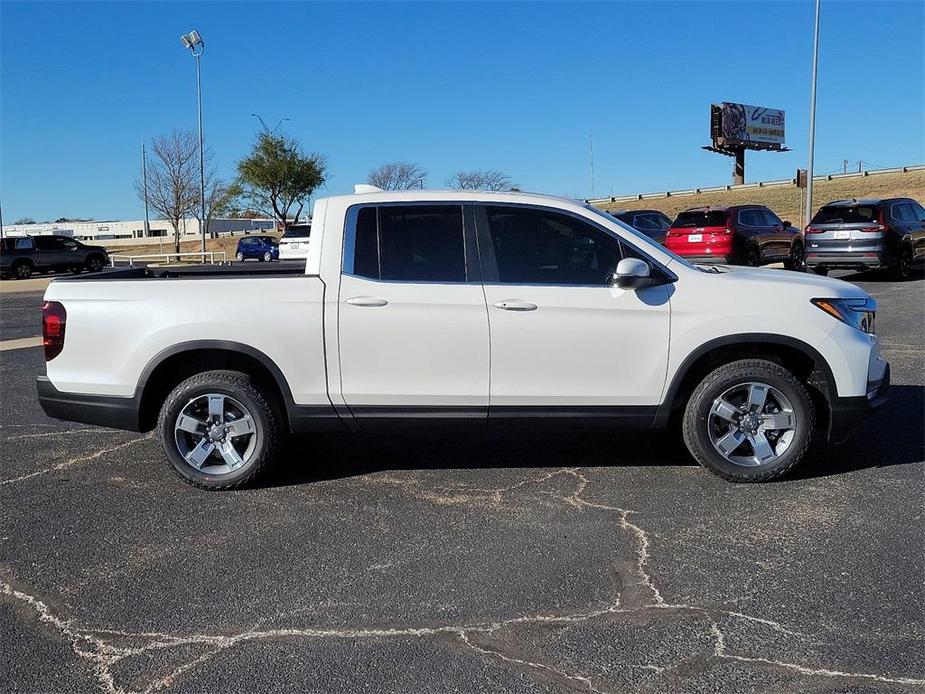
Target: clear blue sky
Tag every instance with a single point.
(517, 87)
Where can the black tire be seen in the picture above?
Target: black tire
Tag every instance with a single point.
(818, 270)
(256, 400)
(94, 263)
(22, 270)
(268, 256)
(753, 256)
(796, 260)
(696, 424)
(239, 257)
(903, 268)
(76, 270)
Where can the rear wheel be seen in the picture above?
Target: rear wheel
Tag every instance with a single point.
(220, 430)
(22, 270)
(753, 256)
(749, 421)
(94, 263)
(268, 256)
(903, 269)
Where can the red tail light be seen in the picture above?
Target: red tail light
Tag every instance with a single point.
(54, 319)
(811, 230)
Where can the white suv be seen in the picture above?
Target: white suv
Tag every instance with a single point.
(294, 243)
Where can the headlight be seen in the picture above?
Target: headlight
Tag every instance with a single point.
(858, 313)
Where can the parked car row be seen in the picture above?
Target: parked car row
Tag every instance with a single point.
(22, 256)
(293, 245)
(857, 234)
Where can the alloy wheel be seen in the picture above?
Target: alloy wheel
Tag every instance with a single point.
(216, 434)
(751, 424)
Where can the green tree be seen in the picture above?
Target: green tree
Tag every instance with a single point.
(278, 176)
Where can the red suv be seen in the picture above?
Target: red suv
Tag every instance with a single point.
(740, 235)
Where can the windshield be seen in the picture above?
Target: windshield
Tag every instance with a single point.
(843, 214)
(639, 237)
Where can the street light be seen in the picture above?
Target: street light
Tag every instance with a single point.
(812, 119)
(193, 41)
(263, 123)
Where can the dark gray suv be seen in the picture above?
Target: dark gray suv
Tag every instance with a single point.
(867, 235)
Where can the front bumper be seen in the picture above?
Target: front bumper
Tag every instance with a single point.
(846, 412)
(102, 410)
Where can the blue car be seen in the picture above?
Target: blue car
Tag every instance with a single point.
(263, 248)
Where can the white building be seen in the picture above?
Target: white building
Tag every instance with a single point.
(128, 230)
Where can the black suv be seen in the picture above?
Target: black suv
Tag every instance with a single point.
(867, 235)
(652, 223)
(20, 256)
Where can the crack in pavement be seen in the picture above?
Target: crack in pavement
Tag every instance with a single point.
(75, 461)
(66, 432)
(98, 645)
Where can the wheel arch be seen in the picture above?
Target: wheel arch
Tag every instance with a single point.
(175, 364)
(802, 359)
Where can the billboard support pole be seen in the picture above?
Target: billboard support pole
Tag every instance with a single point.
(812, 119)
(738, 175)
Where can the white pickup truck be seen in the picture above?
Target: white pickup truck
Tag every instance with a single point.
(463, 308)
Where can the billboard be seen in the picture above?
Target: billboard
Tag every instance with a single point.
(752, 127)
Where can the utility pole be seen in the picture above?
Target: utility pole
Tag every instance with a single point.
(144, 177)
(591, 153)
(812, 117)
(845, 165)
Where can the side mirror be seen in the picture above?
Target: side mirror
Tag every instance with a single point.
(787, 224)
(632, 273)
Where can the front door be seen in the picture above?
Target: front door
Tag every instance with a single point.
(564, 341)
(412, 324)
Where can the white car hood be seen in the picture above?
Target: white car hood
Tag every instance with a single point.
(763, 281)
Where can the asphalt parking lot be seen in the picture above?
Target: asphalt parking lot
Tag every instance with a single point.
(588, 562)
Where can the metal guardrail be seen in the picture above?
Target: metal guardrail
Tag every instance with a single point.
(745, 186)
(167, 256)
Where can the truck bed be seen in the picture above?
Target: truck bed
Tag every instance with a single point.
(238, 270)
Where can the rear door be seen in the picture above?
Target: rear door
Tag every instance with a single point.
(777, 237)
(564, 341)
(413, 328)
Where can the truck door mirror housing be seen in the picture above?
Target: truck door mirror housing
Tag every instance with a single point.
(632, 273)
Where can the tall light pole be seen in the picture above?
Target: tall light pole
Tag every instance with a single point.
(812, 119)
(263, 123)
(193, 41)
(144, 177)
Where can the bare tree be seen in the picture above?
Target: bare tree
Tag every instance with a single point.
(172, 178)
(398, 175)
(277, 176)
(24, 220)
(480, 180)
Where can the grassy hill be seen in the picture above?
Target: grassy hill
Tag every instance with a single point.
(785, 200)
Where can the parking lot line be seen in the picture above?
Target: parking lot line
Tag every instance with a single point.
(20, 343)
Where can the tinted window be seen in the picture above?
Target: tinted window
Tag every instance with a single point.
(540, 247)
(905, 212)
(771, 219)
(301, 233)
(752, 218)
(651, 222)
(410, 243)
(47, 243)
(688, 220)
(919, 211)
(846, 214)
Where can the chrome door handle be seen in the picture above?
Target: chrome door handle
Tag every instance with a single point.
(366, 301)
(515, 305)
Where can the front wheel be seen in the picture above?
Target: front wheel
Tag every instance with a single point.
(796, 260)
(220, 430)
(750, 420)
(903, 269)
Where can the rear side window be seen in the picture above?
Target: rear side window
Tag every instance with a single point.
(904, 211)
(544, 247)
(688, 220)
(410, 243)
(846, 214)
